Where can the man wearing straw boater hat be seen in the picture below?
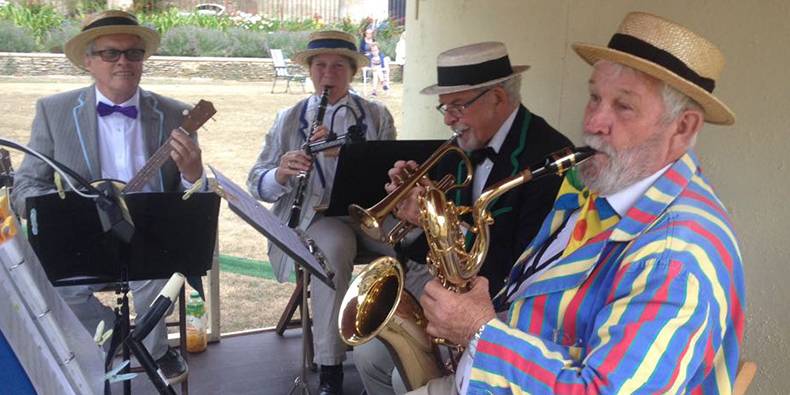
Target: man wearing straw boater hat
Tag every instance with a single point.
(333, 60)
(107, 130)
(479, 94)
(641, 284)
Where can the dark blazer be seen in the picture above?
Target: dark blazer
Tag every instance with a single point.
(518, 213)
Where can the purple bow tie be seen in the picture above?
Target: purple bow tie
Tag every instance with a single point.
(105, 109)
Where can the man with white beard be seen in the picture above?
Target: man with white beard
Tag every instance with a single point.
(634, 282)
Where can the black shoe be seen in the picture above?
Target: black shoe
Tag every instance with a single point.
(331, 380)
(173, 366)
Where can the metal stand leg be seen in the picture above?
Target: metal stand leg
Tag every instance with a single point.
(300, 383)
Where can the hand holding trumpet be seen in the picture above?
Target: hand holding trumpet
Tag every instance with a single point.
(407, 209)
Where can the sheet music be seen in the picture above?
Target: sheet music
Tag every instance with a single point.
(260, 218)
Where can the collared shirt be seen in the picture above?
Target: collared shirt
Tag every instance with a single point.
(122, 151)
(121, 146)
(271, 190)
(484, 168)
(621, 202)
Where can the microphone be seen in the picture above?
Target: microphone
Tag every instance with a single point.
(166, 298)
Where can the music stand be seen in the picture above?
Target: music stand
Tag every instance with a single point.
(297, 246)
(171, 235)
(362, 170)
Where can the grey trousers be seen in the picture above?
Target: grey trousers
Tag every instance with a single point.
(440, 386)
(340, 241)
(374, 362)
(90, 311)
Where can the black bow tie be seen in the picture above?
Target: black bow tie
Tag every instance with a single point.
(479, 155)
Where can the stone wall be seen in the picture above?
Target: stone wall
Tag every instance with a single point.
(259, 69)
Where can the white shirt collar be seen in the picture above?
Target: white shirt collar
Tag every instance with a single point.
(622, 201)
(315, 99)
(133, 101)
(499, 138)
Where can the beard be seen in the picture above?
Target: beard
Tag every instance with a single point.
(612, 170)
(467, 140)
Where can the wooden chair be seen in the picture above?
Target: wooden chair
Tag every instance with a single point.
(746, 372)
(285, 71)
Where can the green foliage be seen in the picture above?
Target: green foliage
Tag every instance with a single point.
(188, 34)
(36, 18)
(247, 43)
(86, 7)
(56, 38)
(289, 42)
(15, 39)
(172, 18)
(236, 42)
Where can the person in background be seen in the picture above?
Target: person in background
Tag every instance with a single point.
(400, 49)
(379, 69)
(368, 38)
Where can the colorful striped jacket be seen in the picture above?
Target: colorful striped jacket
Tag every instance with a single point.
(652, 305)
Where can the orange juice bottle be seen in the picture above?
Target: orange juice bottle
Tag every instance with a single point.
(197, 337)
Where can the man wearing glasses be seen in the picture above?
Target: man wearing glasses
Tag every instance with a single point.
(480, 99)
(107, 130)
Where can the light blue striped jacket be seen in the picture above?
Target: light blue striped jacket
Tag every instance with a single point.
(652, 305)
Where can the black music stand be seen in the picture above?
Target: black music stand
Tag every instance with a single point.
(295, 245)
(171, 235)
(362, 170)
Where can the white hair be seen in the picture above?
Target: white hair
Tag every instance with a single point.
(512, 87)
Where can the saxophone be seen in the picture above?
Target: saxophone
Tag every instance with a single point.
(376, 303)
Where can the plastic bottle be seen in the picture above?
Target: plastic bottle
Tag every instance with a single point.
(197, 338)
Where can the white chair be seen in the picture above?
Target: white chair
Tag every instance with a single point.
(285, 71)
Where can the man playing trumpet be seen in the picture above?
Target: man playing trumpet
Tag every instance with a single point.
(480, 100)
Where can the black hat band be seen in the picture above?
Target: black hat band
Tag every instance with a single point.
(331, 43)
(642, 49)
(473, 74)
(112, 21)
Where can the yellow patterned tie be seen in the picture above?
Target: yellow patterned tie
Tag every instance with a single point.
(595, 217)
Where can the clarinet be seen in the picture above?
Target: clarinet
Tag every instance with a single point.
(303, 177)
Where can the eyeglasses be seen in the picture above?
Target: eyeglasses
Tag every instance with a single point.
(112, 55)
(458, 110)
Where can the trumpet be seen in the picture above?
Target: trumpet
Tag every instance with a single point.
(376, 303)
(372, 219)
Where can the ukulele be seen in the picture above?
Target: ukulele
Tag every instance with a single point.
(193, 120)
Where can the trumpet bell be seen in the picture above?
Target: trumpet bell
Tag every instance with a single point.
(369, 223)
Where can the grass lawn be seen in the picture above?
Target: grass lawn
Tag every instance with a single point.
(245, 112)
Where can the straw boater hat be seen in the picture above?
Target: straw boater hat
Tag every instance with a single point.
(331, 42)
(472, 66)
(106, 23)
(670, 53)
